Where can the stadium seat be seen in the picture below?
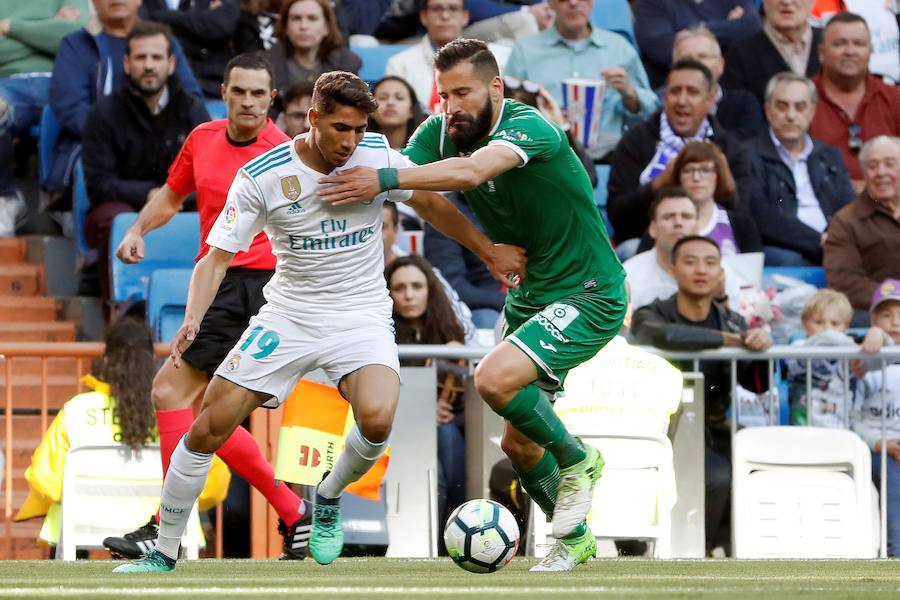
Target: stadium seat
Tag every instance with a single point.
(374, 59)
(615, 15)
(803, 492)
(811, 275)
(80, 205)
(172, 246)
(216, 109)
(50, 129)
(110, 490)
(166, 301)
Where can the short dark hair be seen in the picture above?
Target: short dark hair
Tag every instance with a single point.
(466, 50)
(845, 17)
(693, 238)
(252, 61)
(145, 29)
(395, 212)
(689, 64)
(342, 87)
(296, 91)
(665, 193)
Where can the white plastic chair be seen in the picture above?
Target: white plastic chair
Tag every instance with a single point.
(803, 492)
(634, 496)
(110, 490)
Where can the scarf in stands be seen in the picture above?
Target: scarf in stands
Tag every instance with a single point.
(669, 145)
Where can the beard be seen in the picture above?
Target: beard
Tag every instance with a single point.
(473, 128)
(148, 89)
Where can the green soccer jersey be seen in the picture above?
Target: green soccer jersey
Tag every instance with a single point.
(545, 206)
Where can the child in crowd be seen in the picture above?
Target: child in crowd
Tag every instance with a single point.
(885, 315)
(820, 399)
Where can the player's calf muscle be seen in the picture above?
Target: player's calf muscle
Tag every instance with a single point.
(174, 389)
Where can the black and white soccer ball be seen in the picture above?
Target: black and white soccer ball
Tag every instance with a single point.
(481, 536)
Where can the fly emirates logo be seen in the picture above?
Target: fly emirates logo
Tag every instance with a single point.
(334, 235)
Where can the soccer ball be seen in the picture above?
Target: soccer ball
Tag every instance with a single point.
(481, 536)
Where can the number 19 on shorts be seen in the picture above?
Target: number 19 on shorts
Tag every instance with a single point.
(261, 342)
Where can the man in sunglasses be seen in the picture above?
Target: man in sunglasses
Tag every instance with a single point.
(854, 105)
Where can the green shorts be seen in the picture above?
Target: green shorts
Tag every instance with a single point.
(567, 332)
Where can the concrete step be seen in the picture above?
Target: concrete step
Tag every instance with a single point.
(25, 366)
(38, 308)
(37, 331)
(21, 280)
(13, 250)
(26, 390)
(24, 545)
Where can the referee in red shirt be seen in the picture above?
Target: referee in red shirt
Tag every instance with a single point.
(207, 163)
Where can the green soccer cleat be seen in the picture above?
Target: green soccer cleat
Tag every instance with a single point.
(152, 562)
(565, 555)
(327, 538)
(576, 492)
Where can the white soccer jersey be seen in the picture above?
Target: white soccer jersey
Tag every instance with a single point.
(330, 259)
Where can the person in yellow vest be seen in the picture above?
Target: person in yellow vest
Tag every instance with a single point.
(117, 409)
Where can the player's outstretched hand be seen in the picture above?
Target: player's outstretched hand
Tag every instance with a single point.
(131, 249)
(507, 263)
(359, 184)
(182, 341)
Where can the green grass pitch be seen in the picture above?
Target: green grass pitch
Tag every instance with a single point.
(432, 579)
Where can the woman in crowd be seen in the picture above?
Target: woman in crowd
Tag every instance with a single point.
(309, 43)
(702, 170)
(398, 112)
(423, 315)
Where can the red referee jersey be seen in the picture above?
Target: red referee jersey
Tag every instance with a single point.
(207, 164)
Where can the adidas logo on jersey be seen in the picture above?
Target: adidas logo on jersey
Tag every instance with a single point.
(295, 209)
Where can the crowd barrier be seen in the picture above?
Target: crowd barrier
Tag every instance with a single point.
(265, 424)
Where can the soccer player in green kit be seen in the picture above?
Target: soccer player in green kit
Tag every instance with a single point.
(528, 189)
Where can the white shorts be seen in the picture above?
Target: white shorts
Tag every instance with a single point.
(275, 351)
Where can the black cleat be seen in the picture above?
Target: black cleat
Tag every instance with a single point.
(134, 545)
(296, 536)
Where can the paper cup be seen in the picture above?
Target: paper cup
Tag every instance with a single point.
(583, 104)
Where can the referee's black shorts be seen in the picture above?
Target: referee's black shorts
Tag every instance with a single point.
(240, 297)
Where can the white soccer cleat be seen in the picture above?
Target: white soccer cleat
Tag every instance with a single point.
(565, 555)
(576, 492)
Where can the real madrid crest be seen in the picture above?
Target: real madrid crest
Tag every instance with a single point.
(233, 362)
(290, 187)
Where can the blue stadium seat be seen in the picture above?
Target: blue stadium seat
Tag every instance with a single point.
(615, 15)
(216, 109)
(80, 205)
(374, 59)
(811, 275)
(166, 300)
(47, 141)
(172, 246)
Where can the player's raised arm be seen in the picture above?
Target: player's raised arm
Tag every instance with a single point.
(502, 260)
(158, 211)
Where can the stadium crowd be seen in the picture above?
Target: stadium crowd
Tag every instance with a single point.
(721, 128)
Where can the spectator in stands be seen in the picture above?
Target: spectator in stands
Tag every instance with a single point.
(398, 112)
(736, 109)
(702, 170)
(786, 42)
(309, 43)
(295, 102)
(89, 65)
(854, 106)
(883, 19)
(255, 29)
(117, 409)
(205, 29)
(133, 135)
(798, 182)
(862, 248)
(645, 150)
(656, 23)
(423, 315)
(572, 48)
(867, 414)
(29, 35)
(692, 319)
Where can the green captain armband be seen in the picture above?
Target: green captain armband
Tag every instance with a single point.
(388, 179)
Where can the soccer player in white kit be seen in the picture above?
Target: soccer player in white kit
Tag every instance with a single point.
(327, 306)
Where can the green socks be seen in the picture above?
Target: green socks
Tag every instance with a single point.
(532, 414)
(542, 482)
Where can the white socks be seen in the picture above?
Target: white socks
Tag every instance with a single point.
(183, 484)
(355, 461)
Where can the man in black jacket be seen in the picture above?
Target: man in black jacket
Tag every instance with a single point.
(798, 182)
(692, 319)
(644, 151)
(132, 136)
